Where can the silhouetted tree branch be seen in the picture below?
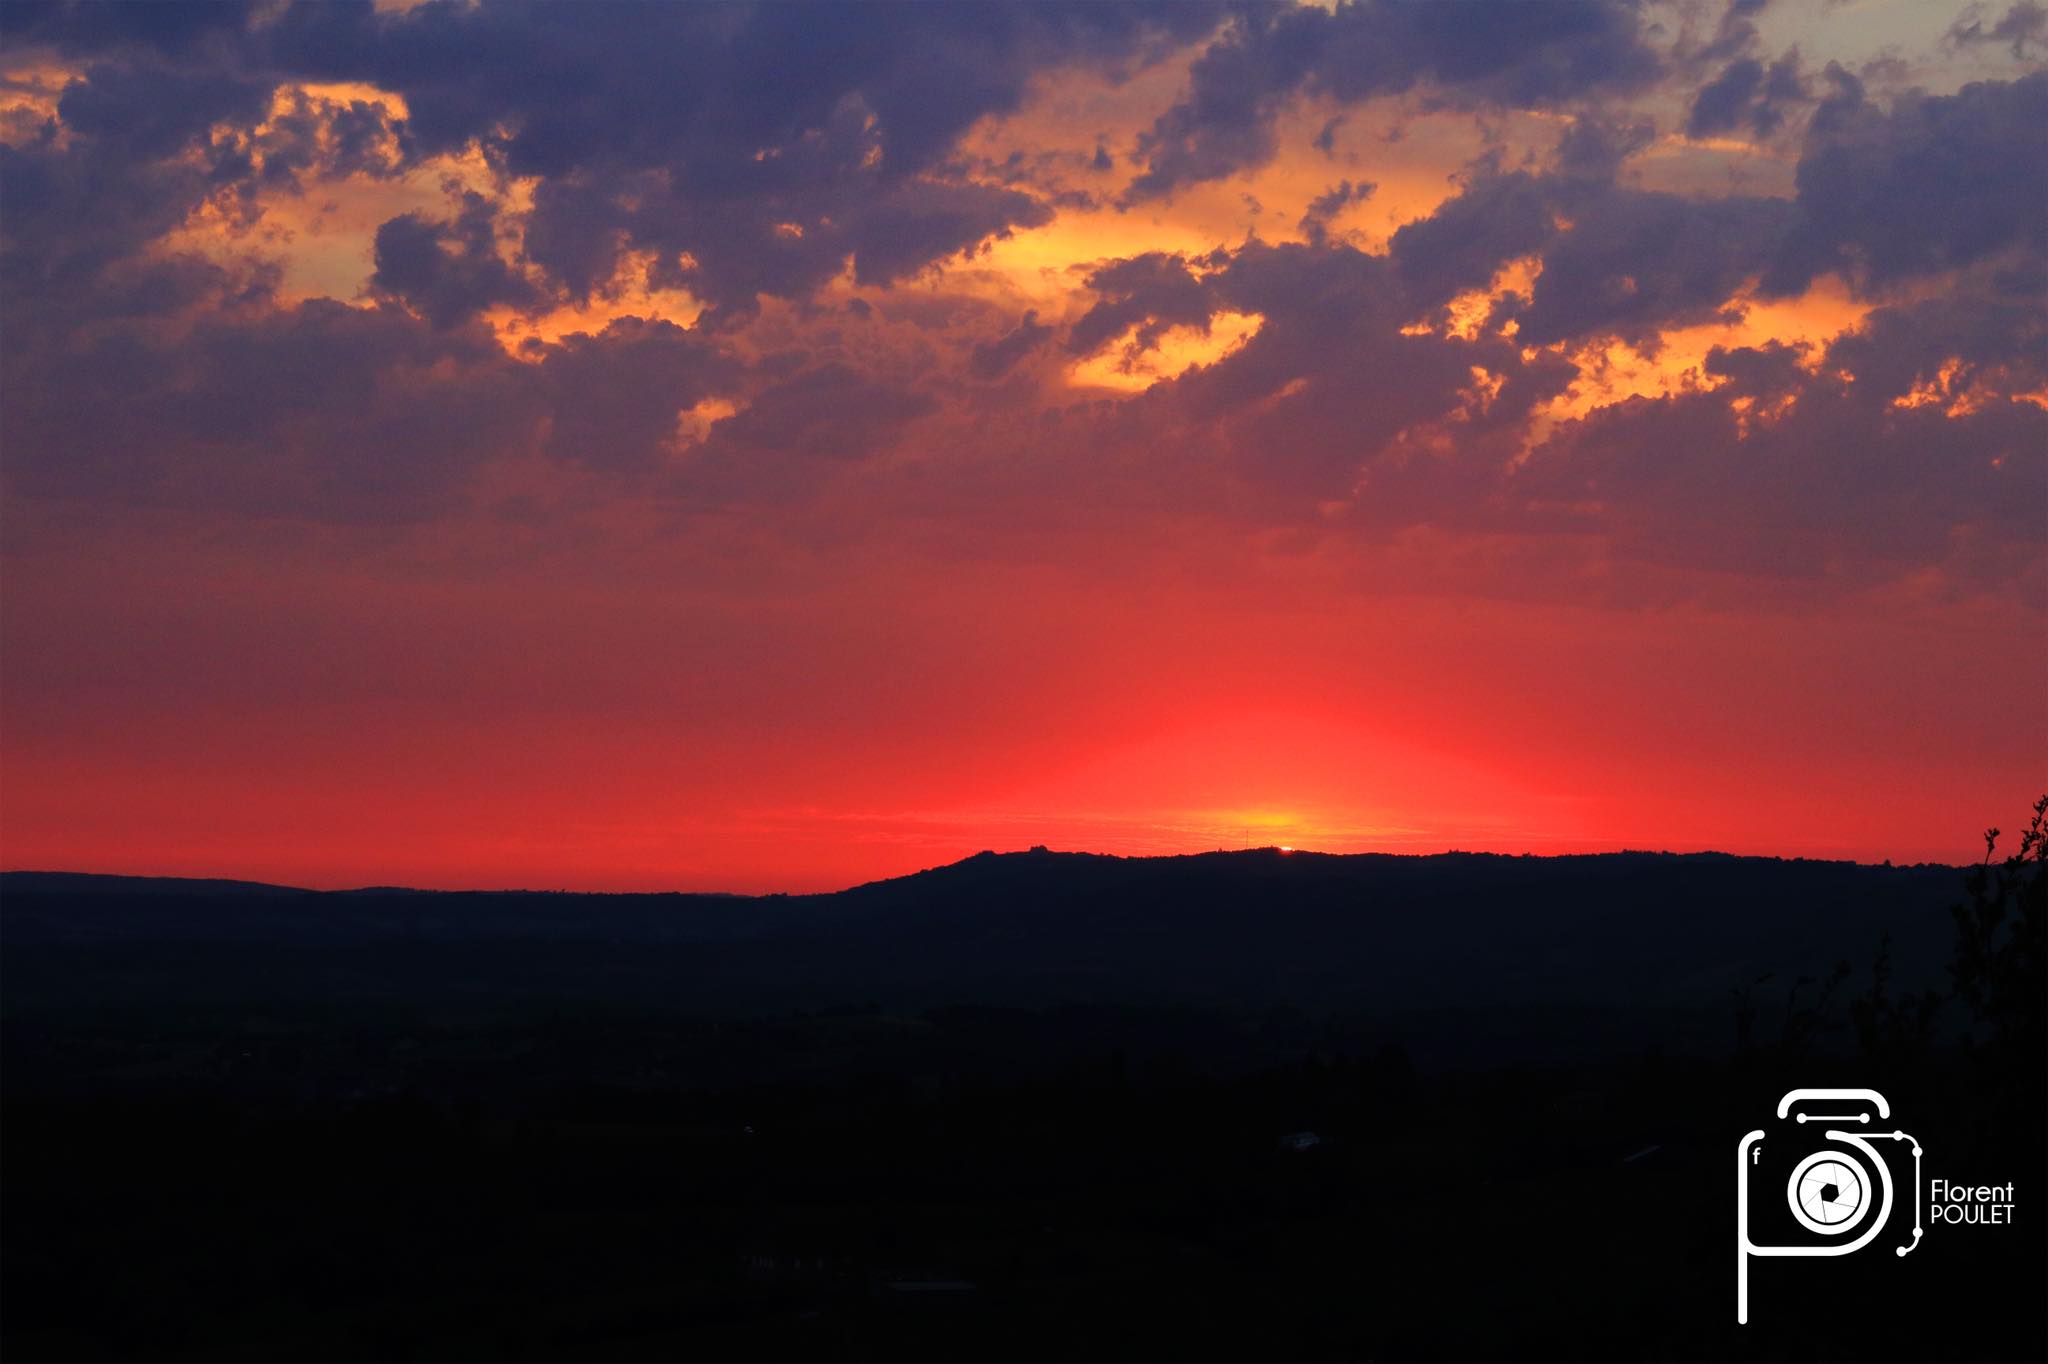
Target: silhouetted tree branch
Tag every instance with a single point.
(1999, 967)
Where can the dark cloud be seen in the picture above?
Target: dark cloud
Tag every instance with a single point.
(1315, 402)
(747, 150)
(1903, 450)
(2024, 24)
(1769, 371)
(751, 152)
(1530, 54)
(312, 138)
(330, 412)
(1735, 36)
(138, 149)
(1784, 475)
(448, 271)
(755, 149)
(322, 411)
(1315, 223)
(1749, 95)
(1634, 263)
(80, 215)
(706, 134)
(798, 433)
(782, 226)
(72, 214)
(1594, 146)
(615, 398)
(1973, 166)
(1154, 293)
(1615, 260)
(575, 236)
(1496, 218)
(994, 359)
(830, 412)
(900, 233)
(82, 25)
(151, 112)
(1999, 338)
(1930, 184)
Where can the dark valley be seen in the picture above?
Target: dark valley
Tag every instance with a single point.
(1033, 1104)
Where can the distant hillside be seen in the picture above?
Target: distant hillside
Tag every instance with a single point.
(1257, 927)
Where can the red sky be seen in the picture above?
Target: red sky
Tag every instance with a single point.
(422, 484)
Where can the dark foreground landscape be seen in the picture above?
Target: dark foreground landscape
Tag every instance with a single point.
(1251, 1104)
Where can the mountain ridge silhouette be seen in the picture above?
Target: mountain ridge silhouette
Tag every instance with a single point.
(45, 880)
(1246, 928)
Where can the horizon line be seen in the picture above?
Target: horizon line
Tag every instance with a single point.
(1276, 849)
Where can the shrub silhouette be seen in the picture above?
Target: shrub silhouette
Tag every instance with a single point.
(1999, 966)
(1998, 974)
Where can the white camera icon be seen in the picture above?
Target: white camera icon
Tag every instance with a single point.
(1829, 1189)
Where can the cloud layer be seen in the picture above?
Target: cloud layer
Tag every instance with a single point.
(788, 311)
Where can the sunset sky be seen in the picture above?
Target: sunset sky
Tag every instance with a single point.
(718, 447)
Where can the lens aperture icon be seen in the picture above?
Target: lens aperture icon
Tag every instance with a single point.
(1829, 1192)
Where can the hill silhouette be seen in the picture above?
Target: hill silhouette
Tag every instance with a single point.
(1036, 1105)
(1252, 927)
